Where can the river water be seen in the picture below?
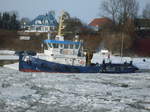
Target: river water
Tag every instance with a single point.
(57, 92)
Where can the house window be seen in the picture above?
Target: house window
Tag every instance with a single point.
(38, 28)
(52, 28)
(46, 28)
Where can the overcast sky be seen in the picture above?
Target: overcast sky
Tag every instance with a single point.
(86, 10)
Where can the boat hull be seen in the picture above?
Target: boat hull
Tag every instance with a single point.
(33, 64)
(39, 65)
(118, 68)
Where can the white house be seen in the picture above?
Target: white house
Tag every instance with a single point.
(43, 23)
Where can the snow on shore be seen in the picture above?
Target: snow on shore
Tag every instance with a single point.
(8, 55)
(8, 52)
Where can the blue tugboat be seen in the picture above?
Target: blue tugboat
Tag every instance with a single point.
(63, 56)
(28, 62)
(54, 59)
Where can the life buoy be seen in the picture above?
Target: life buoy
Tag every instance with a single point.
(81, 62)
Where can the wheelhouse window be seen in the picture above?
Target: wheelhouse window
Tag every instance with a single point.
(50, 45)
(66, 46)
(55, 45)
(76, 46)
(61, 46)
(71, 46)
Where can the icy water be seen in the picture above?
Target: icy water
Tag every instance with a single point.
(49, 92)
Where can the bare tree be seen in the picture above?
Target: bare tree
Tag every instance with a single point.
(111, 8)
(128, 10)
(113, 42)
(120, 10)
(146, 11)
(24, 22)
(122, 13)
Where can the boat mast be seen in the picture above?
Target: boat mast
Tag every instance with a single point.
(61, 24)
(61, 20)
(122, 40)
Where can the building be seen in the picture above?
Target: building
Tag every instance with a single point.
(143, 32)
(99, 23)
(43, 23)
(142, 24)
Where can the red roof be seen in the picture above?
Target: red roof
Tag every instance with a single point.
(100, 21)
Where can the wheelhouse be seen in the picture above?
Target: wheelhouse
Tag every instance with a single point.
(62, 44)
(65, 47)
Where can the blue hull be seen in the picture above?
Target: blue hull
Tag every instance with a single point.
(39, 65)
(118, 68)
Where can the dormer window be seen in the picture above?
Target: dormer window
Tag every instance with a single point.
(46, 21)
(38, 22)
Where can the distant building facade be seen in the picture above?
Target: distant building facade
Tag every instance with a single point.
(142, 24)
(43, 23)
(142, 27)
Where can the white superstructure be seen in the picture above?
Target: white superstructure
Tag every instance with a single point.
(63, 51)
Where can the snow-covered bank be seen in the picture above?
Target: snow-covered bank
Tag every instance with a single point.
(7, 52)
(8, 55)
(50, 92)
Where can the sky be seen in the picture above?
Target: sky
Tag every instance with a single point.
(86, 10)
